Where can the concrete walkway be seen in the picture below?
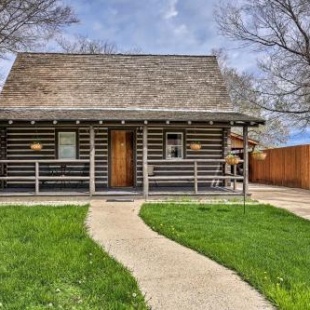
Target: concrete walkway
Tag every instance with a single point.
(293, 199)
(170, 275)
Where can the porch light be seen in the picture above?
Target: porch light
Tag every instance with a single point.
(77, 122)
(122, 122)
(100, 122)
(55, 122)
(10, 122)
(167, 122)
(32, 122)
(231, 123)
(145, 122)
(189, 122)
(211, 123)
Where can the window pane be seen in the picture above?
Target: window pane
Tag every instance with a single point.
(67, 152)
(174, 145)
(67, 145)
(67, 138)
(174, 139)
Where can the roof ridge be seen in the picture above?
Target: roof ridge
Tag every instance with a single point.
(116, 54)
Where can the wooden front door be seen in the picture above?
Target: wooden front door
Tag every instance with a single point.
(122, 163)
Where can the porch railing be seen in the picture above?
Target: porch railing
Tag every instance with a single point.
(61, 176)
(195, 176)
(191, 175)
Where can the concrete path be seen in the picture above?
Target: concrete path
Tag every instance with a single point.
(170, 275)
(293, 199)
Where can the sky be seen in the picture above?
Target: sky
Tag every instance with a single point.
(158, 27)
(297, 137)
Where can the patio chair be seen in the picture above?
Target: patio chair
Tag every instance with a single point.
(48, 171)
(84, 172)
(56, 170)
(2, 174)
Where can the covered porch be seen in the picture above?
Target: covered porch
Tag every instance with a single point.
(196, 174)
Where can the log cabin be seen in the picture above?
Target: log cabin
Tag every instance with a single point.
(115, 124)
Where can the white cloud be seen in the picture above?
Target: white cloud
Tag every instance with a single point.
(181, 30)
(171, 10)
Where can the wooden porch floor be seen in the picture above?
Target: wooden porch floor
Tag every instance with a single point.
(158, 192)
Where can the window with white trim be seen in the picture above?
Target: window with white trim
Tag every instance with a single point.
(66, 145)
(174, 145)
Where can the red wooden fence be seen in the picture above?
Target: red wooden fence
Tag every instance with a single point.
(287, 166)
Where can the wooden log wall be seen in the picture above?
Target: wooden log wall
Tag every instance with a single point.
(18, 140)
(212, 147)
(287, 166)
(2, 154)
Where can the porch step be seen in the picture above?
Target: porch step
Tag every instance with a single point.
(200, 177)
(120, 200)
(172, 178)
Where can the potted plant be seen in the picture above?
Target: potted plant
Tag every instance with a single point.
(258, 154)
(232, 159)
(36, 146)
(195, 146)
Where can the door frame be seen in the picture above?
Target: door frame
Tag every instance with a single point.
(134, 151)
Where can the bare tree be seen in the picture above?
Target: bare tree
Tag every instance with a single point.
(26, 23)
(80, 44)
(83, 45)
(240, 87)
(280, 31)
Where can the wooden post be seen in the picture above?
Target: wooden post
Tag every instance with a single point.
(37, 184)
(145, 174)
(92, 161)
(245, 161)
(235, 174)
(196, 176)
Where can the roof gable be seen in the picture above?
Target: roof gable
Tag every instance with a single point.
(116, 81)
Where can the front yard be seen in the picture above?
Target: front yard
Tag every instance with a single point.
(49, 262)
(267, 247)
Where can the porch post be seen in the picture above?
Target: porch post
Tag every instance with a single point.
(246, 161)
(37, 184)
(196, 176)
(92, 161)
(145, 174)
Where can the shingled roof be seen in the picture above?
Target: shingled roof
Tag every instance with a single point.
(74, 84)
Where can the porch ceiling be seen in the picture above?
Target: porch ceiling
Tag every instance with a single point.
(23, 114)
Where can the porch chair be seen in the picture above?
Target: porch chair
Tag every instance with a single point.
(84, 172)
(2, 174)
(50, 172)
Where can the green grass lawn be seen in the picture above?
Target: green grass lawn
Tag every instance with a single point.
(47, 261)
(268, 247)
